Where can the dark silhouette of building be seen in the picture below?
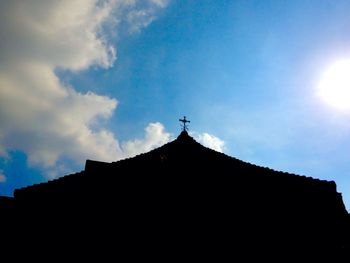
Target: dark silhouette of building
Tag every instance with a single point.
(186, 197)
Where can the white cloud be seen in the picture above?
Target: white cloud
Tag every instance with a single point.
(39, 114)
(55, 33)
(209, 141)
(160, 3)
(142, 13)
(2, 177)
(155, 136)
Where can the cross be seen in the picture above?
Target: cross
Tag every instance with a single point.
(184, 125)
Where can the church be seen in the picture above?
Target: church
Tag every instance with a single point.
(187, 196)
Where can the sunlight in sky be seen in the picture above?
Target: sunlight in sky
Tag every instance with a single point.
(334, 87)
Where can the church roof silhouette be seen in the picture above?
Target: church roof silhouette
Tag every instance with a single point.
(185, 189)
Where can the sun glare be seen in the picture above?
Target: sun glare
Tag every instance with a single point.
(334, 87)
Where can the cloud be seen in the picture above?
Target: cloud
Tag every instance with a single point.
(138, 14)
(209, 141)
(155, 136)
(53, 33)
(40, 115)
(160, 3)
(2, 177)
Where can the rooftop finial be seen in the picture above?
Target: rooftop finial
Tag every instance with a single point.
(184, 125)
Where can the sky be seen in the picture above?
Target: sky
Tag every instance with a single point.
(267, 82)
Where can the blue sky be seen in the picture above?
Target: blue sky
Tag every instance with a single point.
(108, 79)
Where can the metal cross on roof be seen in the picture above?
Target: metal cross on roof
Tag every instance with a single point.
(184, 125)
